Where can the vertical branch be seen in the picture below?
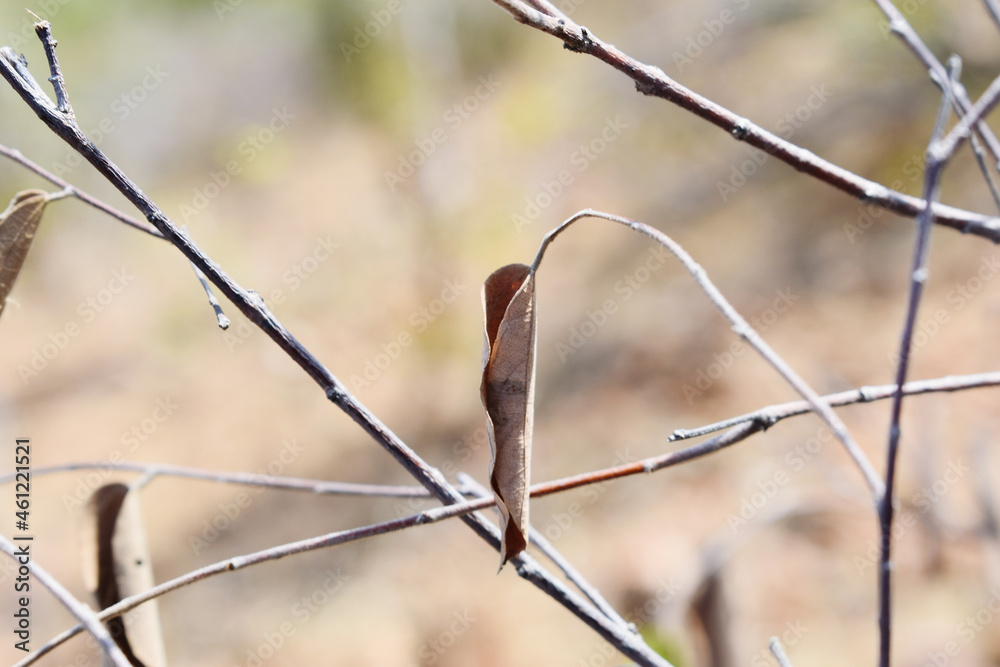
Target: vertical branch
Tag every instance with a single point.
(918, 278)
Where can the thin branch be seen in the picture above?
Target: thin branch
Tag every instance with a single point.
(56, 78)
(942, 149)
(984, 169)
(764, 417)
(651, 80)
(543, 545)
(18, 157)
(740, 432)
(244, 478)
(212, 301)
(775, 413)
(993, 8)
(779, 652)
(744, 331)
(918, 278)
(547, 7)
(79, 610)
(15, 71)
(533, 572)
(938, 73)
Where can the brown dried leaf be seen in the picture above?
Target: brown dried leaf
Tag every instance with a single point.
(508, 393)
(17, 229)
(117, 565)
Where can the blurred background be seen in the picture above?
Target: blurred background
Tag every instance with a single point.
(364, 165)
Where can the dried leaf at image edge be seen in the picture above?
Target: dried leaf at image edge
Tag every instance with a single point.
(18, 223)
(508, 393)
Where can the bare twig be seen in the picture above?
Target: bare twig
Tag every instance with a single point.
(244, 478)
(547, 7)
(18, 157)
(941, 150)
(738, 433)
(743, 330)
(764, 417)
(543, 545)
(935, 161)
(993, 8)
(15, 71)
(778, 651)
(775, 413)
(212, 301)
(938, 73)
(88, 619)
(653, 81)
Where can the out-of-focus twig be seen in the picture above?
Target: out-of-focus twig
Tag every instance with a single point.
(651, 80)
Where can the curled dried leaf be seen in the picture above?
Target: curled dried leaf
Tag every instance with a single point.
(18, 223)
(508, 393)
(117, 565)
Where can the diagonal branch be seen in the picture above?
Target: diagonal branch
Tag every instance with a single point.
(651, 80)
(88, 619)
(15, 71)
